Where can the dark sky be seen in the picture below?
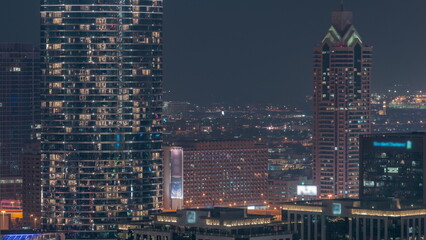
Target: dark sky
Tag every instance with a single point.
(250, 51)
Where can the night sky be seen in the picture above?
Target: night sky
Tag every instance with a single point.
(260, 51)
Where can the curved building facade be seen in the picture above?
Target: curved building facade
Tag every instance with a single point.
(101, 114)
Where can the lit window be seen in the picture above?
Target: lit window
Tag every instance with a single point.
(57, 20)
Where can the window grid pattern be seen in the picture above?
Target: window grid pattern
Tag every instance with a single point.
(101, 108)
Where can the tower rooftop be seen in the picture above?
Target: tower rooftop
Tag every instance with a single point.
(341, 20)
(342, 32)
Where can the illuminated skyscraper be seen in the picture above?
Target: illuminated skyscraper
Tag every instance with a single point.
(101, 114)
(342, 67)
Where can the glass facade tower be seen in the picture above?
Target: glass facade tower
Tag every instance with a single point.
(101, 114)
(392, 166)
(19, 112)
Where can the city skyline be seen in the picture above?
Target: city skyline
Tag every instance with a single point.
(270, 50)
(189, 119)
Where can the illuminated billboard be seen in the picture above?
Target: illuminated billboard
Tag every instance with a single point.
(307, 190)
(176, 184)
(337, 209)
(191, 217)
(407, 144)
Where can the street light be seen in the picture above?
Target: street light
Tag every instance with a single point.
(31, 216)
(35, 223)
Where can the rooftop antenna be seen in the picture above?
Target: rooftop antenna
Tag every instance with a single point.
(342, 6)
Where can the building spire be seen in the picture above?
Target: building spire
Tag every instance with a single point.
(342, 19)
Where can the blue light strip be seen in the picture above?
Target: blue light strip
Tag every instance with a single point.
(20, 236)
(408, 144)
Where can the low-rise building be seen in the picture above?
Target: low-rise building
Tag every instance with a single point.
(354, 220)
(213, 224)
(288, 186)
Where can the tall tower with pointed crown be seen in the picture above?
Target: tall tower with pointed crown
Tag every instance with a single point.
(341, 90)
